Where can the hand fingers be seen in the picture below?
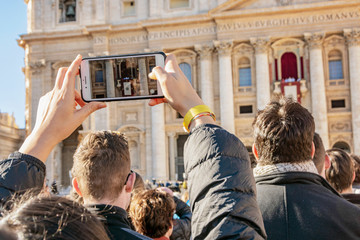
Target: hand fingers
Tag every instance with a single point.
(159, 74)
(78, 99)
(156, 101)
(69, 81)
(86, 110)
(171, 63)
(60, 77)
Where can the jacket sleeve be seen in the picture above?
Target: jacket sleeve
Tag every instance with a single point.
(221, 186)
(19, 174)
(182, 226)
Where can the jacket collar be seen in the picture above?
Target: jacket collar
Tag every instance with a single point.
(294, 177)
(114, 215)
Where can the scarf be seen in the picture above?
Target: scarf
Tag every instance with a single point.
(307, 166)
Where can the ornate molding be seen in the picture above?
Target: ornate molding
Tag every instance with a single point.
(261, 45)
(341, 126)
(36, 66)
(224, 47)
(314, 40)
(244, 49)
(204, 50)
(352, 36)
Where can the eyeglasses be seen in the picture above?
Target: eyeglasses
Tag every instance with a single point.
(127, 178)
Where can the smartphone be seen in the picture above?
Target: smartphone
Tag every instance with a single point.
(121, 77)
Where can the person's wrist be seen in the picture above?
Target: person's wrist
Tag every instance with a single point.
(201, 120)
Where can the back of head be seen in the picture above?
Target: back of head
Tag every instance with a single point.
(101, 159)
(319, 156)
(139, 184)
(151, 212)
(341, 171)
(356, 168)
(283, 132)
(54, 218)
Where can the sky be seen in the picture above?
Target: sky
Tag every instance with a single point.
(12, 80)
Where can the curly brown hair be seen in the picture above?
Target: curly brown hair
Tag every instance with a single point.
(151, 212)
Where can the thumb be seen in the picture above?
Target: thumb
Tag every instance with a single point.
(89, 108)
(159, 74)
(156, 101)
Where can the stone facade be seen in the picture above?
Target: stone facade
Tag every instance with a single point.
(11, 137)
(236, 52)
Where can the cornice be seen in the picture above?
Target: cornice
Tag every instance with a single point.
(283, 10)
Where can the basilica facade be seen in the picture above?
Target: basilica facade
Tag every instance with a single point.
(237, 54)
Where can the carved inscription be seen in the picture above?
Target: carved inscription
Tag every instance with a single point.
(288, 21)
(232, 26)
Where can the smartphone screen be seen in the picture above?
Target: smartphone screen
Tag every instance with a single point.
(122, 77)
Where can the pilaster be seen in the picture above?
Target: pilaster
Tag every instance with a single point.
(227, 117)
(261, 46)
(317, 79)
(207, 87)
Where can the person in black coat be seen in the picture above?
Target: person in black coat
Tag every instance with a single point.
(295, 201)
(221, 184)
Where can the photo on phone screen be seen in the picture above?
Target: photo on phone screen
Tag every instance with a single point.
(120, 77)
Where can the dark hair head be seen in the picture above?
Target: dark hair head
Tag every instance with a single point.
(341, 171)
(101, 159)
(54, 218)
(357, 167)
(319, 156)
(283, 132)
(151, 212)
(6, 233)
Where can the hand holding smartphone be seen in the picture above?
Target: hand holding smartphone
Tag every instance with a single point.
(121, 77)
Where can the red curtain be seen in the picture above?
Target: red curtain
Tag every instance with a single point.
(289, 66)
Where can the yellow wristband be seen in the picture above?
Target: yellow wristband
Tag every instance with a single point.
(193, 112)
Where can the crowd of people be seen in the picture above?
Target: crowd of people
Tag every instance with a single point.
(296, 189)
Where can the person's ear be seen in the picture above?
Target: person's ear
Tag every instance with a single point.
(254, 150)
(353, 178)
(327, 162)
(130, 182)
(76, 186)
(312, 149)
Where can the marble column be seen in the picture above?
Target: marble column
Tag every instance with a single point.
(159, 163)
(172, 147)
(261, 46)
(318, 91)
(353, 42)
(224, 49)
(110, 78)
(207, 86)
(143, 77)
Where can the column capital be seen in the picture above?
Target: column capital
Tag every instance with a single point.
(261, 45)
(171, 134)
(314, 40)
(352, 36)
(204, 50)
(224, 47)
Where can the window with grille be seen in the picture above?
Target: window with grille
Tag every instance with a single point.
(335, 65)
(186, 69)
(245, 77)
